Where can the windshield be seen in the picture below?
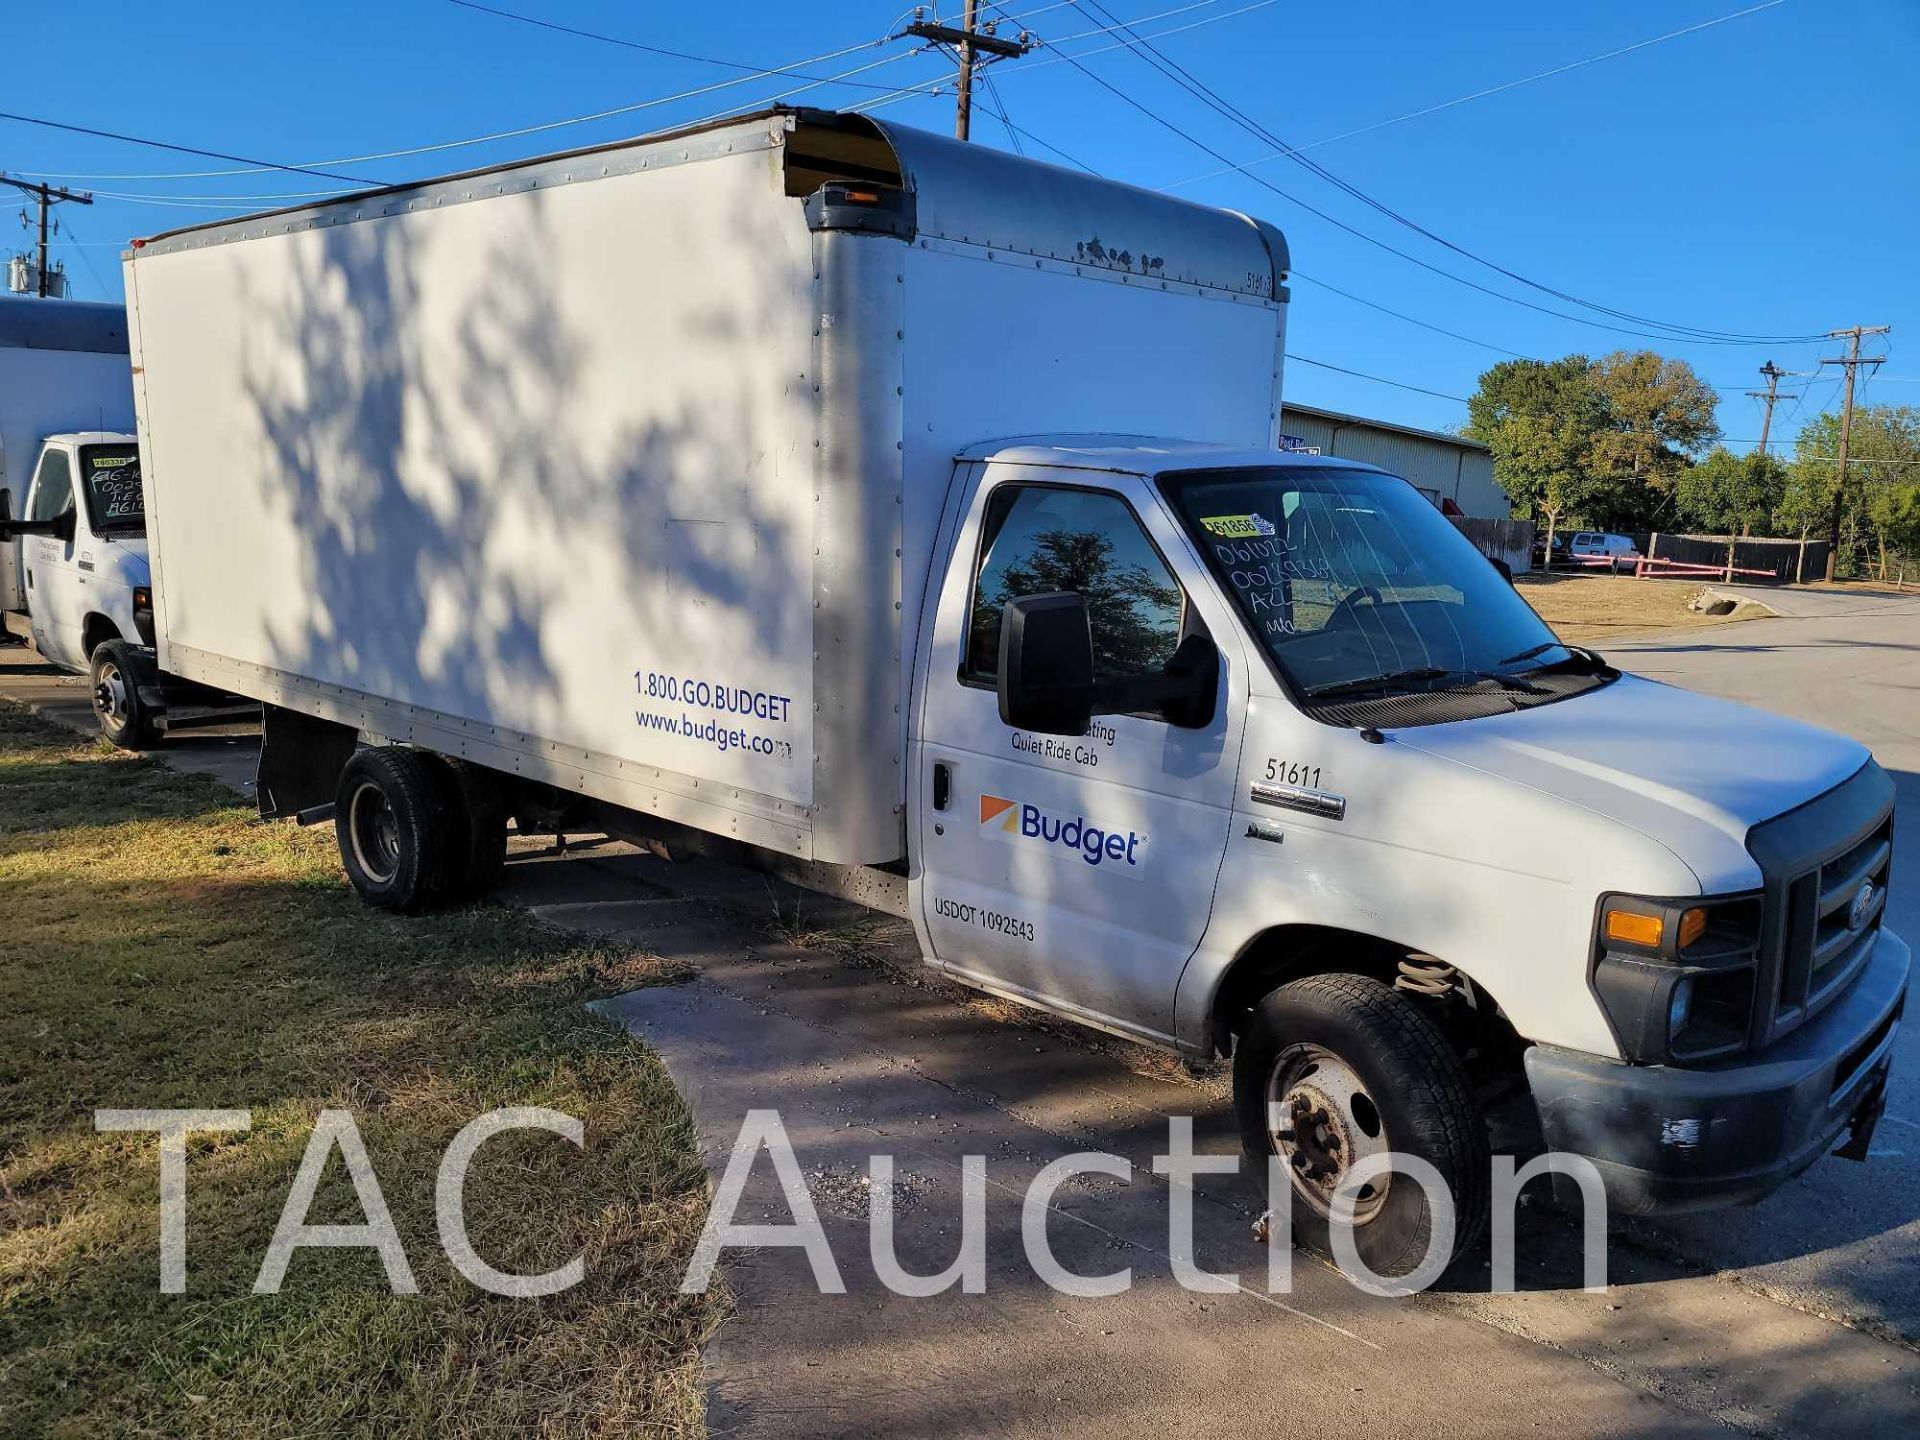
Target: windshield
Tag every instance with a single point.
(111, 480)
(1353, 582)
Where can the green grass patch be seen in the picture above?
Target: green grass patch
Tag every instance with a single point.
(161, 948)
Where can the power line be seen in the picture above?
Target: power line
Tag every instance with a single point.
(1200, 90)
(260, 168)
(1377, 379)
(1411, 320)
(181, 149)
(1476, 95)
(74, 242)
(755, 71)
(1311, 209)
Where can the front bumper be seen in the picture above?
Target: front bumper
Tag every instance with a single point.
(1667, 1139)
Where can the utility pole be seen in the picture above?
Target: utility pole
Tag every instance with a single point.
(1853, 360)
(971, 42)
(1771, 395)
(48, 196)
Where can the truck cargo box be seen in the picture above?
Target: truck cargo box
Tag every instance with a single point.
(618, 469)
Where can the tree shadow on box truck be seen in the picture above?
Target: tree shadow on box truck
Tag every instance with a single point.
(1219, 749)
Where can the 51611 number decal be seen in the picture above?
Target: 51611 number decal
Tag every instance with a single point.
(1292, 772)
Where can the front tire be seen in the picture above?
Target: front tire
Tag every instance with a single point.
(1334, 1068)
(402, 837)
(124, 718)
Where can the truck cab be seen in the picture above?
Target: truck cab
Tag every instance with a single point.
(76, 578)
(1253, 754)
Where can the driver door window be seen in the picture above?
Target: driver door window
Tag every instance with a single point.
(1038, 539)
(53, 491)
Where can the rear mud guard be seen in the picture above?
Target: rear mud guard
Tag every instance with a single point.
(300, 761)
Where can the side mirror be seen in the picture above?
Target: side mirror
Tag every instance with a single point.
(1046, 664)
(1046, 681)
(61, 527)
(1506, 570)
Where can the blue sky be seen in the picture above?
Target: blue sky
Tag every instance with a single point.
(1758, 176)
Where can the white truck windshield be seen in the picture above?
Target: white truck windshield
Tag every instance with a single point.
(1356, 585)
(110, 476)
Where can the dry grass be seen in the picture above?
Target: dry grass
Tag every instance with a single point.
(1593, 609)
(163, 949)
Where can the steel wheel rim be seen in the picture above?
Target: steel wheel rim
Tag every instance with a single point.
(110, 695)
(374, 832)
(1321, 1121)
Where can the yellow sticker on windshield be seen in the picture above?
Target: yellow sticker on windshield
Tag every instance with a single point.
(1238, 527)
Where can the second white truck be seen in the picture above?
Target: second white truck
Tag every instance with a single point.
(912, 513)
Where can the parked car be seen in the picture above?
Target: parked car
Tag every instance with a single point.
(741, 525)
(1594, 545)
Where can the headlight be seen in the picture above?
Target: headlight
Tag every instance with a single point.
(1680, 1007)
(1676, 977)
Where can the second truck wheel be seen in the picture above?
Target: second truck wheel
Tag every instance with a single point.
(403, 838)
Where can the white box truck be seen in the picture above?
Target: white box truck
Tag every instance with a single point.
(913, 512)
(74, 575)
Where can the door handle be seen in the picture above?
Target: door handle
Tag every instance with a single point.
(942, 785)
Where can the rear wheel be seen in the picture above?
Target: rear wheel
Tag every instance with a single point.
(1333, 1069)
(401, 834)
(115, 678)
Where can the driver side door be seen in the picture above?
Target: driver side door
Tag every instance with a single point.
(47, 562)
(1076, 872)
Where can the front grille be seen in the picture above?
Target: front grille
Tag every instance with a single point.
(1815, 938)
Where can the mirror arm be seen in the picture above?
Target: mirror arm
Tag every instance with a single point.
(11, 529)
(1188, 680)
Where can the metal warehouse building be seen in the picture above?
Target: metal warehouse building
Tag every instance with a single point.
(1442, 467)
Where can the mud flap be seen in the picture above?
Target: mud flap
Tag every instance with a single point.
(301, 758)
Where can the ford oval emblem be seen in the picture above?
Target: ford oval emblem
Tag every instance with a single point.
(1862, 903)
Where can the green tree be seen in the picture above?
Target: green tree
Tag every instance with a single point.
(1134, 614)
(1659, 412)
(1880, 507)
(1540, 418)
(1731, 495)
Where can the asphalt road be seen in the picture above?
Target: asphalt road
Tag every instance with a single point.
(1798, 1316)
(1843, 1240)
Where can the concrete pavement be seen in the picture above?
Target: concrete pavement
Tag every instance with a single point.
(226, 752)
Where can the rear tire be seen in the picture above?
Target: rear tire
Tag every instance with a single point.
(115, 674)
(1353, 1067)
(403, 839)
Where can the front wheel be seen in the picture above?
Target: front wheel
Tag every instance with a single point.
(1333, 1069)
(124, 718)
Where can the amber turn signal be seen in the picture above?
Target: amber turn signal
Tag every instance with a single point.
(1632, 929)
(1693, 925)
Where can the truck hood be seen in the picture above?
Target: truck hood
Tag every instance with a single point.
(129, 559)
(1665, 761)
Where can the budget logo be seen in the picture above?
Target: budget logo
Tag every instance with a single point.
(1002, 813)
(1094, 844)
